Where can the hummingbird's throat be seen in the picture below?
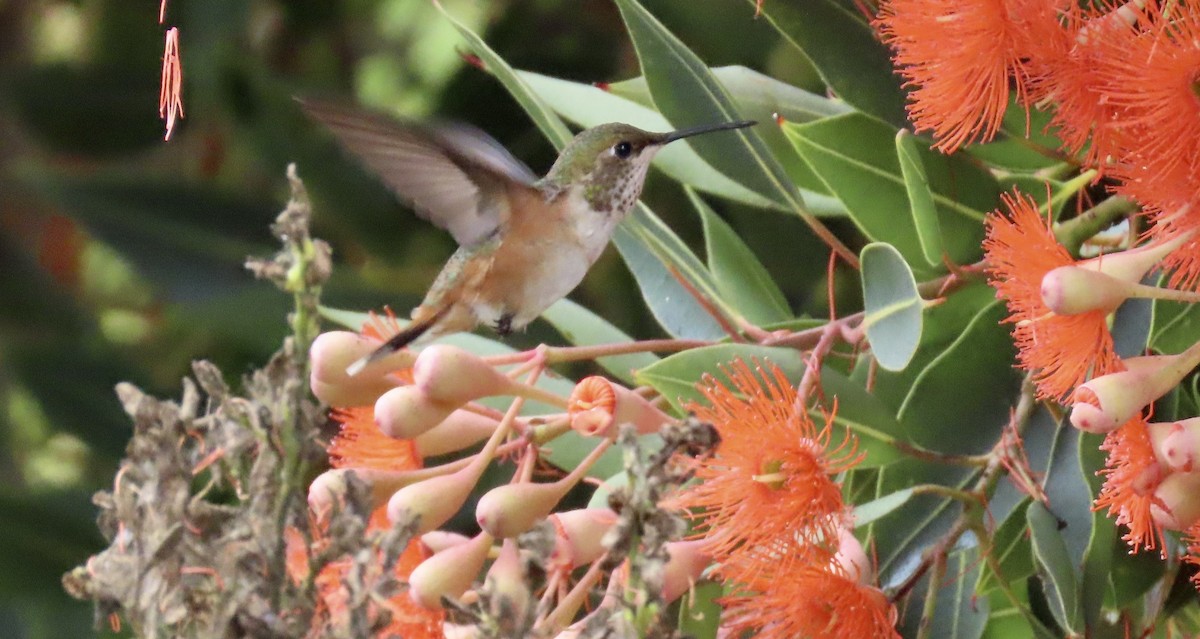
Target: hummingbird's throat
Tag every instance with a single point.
(614, 188)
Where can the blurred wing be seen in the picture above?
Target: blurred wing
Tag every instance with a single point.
(448, 173)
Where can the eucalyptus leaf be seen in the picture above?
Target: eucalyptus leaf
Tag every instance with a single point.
(838, 39)
(920, 197)
(686, 92)
(893, 314)
(741, 279)
(957, 610)
(1011, 549)
(700, 612)
(542, 115)
(1061, 579)
(855, 156)
(1174, 326)
(865, 514)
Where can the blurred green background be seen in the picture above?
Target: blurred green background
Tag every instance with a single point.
(121, 254)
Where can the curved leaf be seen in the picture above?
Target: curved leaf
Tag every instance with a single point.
(920, 197)
(740, 278)
(893, 316)
(1059, 576)
(686, 92)
(836, 37)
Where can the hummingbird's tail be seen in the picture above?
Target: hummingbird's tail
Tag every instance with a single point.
(410, 334)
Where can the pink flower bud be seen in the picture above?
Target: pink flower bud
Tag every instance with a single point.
(1176, 504)
(853, 559)
(332, 352)
(435, 500)
(451, 375)
(506, 579)
(460, 631)
(1104, 403)
(1177, 444)
(438, 540)
(448, 573)
(507, 511)
(407, 412)
(578, 536)
(1132, 265)
(329, 488)
(1071, 290)
(597, 407)
(687, 561)
(461, 429)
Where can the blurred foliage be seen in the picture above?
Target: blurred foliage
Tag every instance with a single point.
(120, 255)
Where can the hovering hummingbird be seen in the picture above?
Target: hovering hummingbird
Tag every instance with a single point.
(524, 242)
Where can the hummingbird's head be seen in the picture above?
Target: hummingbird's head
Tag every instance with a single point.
(610, 161)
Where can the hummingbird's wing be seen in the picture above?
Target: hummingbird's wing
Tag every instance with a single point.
(453, 175)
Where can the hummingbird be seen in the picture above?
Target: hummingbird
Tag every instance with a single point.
(524, 242)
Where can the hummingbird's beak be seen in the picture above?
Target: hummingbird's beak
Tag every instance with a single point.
(705, 128)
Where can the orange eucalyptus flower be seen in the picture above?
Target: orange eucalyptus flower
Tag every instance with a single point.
(1131, 476)
(360, 444)
(1150, 76)
(810, 600)
(1061, 350)
(960, 57)
(768, 482)
(170, 92)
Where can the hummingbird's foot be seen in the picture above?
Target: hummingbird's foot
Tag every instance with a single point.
(504, 324)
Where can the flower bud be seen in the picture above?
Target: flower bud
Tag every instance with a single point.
(597, 407)
(407, 412)
(687, 561)
(332, 352)
(853, 559)
(438, 540)
(1071, 290)
(451, 375)
(506, 581)
(461, 631)
(1176, 504)
(1177, 444)
(329, 488)
(434, 501)
(578, 536)
(507, 511)
(448, 573)
(1133, 264)
(1104, 403)
(461, 429)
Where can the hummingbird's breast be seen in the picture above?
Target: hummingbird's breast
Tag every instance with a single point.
(546, 251)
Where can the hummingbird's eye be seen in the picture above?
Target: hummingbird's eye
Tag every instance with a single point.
(622, 149)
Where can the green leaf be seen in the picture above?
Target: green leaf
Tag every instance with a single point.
(1054, 566)
(646, 245)
(1011, 549)
(902, 538)
(686, 92)
(855, 156)
(863, 414)
(893, 313)
(1174, 326)
(584, 328)
(867, 513)
(616, 480)
(977, 370)
(1131, 327)
(837, 38)
(741, 279)
(542, 115)
(958, 612)
(1098, 556)
(920, 197)
(699, 613)
(589, 106)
